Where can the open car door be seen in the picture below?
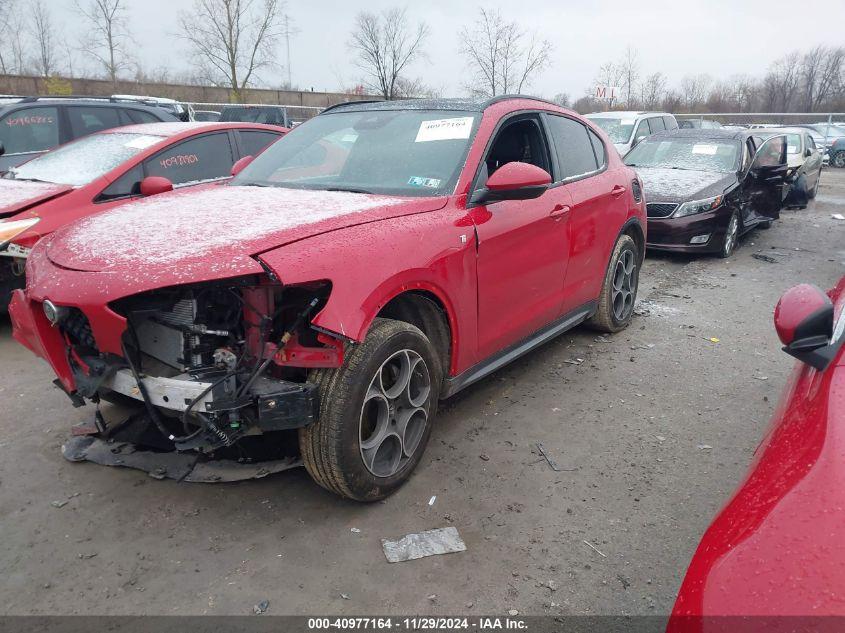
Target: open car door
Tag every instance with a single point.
(768, 179)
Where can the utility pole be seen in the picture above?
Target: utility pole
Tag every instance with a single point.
(288, 30)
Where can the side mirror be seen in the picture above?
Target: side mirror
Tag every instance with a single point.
(154, 185)
(804, 323)
(239, 165)
(514, 181)
(808, 152)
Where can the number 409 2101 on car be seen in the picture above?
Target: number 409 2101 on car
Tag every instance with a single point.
(379, 258)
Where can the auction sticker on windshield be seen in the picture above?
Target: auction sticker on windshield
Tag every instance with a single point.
(444, 129)
(709, 150)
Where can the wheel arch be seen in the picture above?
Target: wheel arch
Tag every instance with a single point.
(634, 230)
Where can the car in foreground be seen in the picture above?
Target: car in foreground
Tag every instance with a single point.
(626, 129)
(383, 256)
(32, 125)
(705, 188)
(804, 158)
(773, 558)
(106, 169)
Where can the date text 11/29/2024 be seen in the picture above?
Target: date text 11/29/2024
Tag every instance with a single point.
(479, 623)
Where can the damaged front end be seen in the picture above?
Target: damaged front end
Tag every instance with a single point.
(213, 371)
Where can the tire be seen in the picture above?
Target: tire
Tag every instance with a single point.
(838, 159)
(765, 225)
(356, 409)
(606, 318)
(812, 193)
(731, 237)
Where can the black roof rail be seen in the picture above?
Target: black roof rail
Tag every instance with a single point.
(35, 98)
(346, 103)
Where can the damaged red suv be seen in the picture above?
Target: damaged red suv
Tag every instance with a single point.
(379, 258)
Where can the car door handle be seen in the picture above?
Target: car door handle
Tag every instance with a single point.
(559, 211)
(617, 191)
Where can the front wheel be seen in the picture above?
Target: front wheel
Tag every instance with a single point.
(619, 292)
(731, 237)
(815, 190)
(376, 413)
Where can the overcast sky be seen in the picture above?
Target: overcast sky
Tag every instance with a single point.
(719, 37)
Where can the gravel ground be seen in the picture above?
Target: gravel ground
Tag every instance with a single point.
(652, 431)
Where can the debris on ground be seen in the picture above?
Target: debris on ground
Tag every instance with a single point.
(704, 447)
(595, 549)
(574, 361)
(261, 607)
(548, 459)
(355, 530)
(432, 500)
(419, 545)
(484, 457)
(837, 216)
(344, 596)
(513, 612)
(761, 377)
(58, 504)
(764, 258)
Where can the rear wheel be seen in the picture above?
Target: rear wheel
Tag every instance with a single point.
(376, 413)
(619, 292)
(731, 237)
(812, 193)
(838, 159)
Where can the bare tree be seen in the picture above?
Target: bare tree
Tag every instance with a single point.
(780, 83)
(562, 99)
(6, 7)
(107, 37)
(694, 90)
(502, 55)
(629, 68)
(652, 90)
(385, 45)
(232, 40)
(821, 74)
(43, 32)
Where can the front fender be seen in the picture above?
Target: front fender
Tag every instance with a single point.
(370, 264)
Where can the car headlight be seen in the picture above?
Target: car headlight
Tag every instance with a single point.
(697, 206)
(13, 228)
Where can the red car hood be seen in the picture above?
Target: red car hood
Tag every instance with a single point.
(219, 229)
(18, 195)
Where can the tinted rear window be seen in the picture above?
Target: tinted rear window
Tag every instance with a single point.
(30, 130)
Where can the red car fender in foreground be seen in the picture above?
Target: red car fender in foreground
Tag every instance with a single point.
(775, 555)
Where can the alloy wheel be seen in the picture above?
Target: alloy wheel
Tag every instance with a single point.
(730, 236)
(839, 159)
(624, 285)
(395, 413)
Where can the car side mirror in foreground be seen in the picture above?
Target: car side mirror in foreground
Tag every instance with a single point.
(514, 181)
(804, 323)
(154, 185)
(239, 165)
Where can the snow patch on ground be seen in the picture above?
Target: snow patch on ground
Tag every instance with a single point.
(173, 227)
(13, 192)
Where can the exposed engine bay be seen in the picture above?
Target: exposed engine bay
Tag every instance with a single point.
(207, 368)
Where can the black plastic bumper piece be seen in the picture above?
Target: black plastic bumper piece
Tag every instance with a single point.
(286, 405)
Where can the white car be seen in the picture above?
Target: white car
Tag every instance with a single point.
(804, 157)
(628, 128)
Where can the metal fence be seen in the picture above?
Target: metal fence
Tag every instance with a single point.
(290, 115)
(767, 118)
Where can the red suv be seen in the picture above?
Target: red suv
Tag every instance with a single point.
(379, 258)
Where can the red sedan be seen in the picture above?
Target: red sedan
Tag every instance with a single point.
(381, 257)
(100, 171)
(775, 554)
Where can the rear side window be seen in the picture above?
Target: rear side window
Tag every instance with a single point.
(642, 129)
(203, 158)
(86, 120)
(598, 148)
(573, 146)
(141, 116)
(253, 142)
(656, 124)
(809, 142)
(670, 122)
(30, 130)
